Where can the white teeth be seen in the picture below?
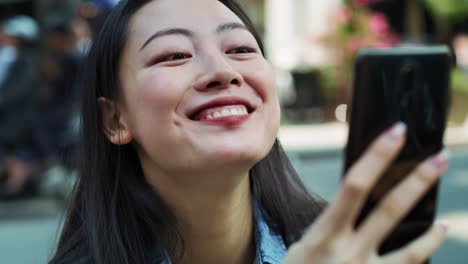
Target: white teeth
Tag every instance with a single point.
(225, 112)
(228, 112)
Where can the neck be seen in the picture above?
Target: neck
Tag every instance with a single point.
(215, 218)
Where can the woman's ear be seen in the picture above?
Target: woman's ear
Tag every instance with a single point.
(115, 127)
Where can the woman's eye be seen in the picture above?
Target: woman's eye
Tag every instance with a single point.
(177, 56)
(241, 50)
(169, 58)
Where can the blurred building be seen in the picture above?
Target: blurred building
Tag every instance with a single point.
(292, 29)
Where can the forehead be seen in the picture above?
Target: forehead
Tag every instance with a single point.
(200, 16)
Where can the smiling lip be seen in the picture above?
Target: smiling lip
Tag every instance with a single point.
(229, 121)
(219, 102)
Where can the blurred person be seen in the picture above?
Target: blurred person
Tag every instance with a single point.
(180, 161)
(19, 103)
(61, 64)
(82, 31)
(95, 13)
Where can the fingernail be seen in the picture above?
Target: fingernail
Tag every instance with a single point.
(440, 160)
(397, 131)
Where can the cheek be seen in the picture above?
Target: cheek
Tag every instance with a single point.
(267, 90)
(261, 78)
(152, 101)
(159, 92)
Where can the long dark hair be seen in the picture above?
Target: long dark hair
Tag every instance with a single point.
(115, 216)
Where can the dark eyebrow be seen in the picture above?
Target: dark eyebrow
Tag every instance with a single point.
(167, 32)
(230, 26)
(185, 32)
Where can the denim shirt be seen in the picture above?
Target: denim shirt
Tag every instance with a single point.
(270, 247)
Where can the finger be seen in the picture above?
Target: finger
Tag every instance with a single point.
(364, 174)
(359, 180)
(420, 249)
(401, 199)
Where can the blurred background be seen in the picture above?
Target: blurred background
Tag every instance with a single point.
(310, 43)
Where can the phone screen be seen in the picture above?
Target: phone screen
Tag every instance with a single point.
(408, 85)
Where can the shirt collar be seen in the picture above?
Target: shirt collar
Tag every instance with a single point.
(270, 247)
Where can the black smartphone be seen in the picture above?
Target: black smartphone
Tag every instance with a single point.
(400, 84)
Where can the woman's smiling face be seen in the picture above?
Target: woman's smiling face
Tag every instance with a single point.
(197, 94)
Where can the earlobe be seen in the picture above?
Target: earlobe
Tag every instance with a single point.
(123, 137)
(113, 123)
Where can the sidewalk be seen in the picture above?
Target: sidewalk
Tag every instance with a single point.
(32, 208)
(332, 137)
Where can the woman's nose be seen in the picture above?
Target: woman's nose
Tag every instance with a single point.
(217, 73)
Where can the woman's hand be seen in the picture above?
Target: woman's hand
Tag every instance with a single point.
(333, 238)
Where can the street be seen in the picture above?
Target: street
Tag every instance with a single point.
(28, 229)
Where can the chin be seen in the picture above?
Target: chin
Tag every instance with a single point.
(245, 154)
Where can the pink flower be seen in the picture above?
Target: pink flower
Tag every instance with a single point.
(378, 23)
(363, 2)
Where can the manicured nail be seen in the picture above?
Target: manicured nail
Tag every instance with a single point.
(440, 160)
(397, 131)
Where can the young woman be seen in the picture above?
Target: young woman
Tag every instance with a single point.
(180, 161)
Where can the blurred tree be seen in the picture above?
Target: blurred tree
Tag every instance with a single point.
(457, 9)
(447, 12)
(414, 24)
